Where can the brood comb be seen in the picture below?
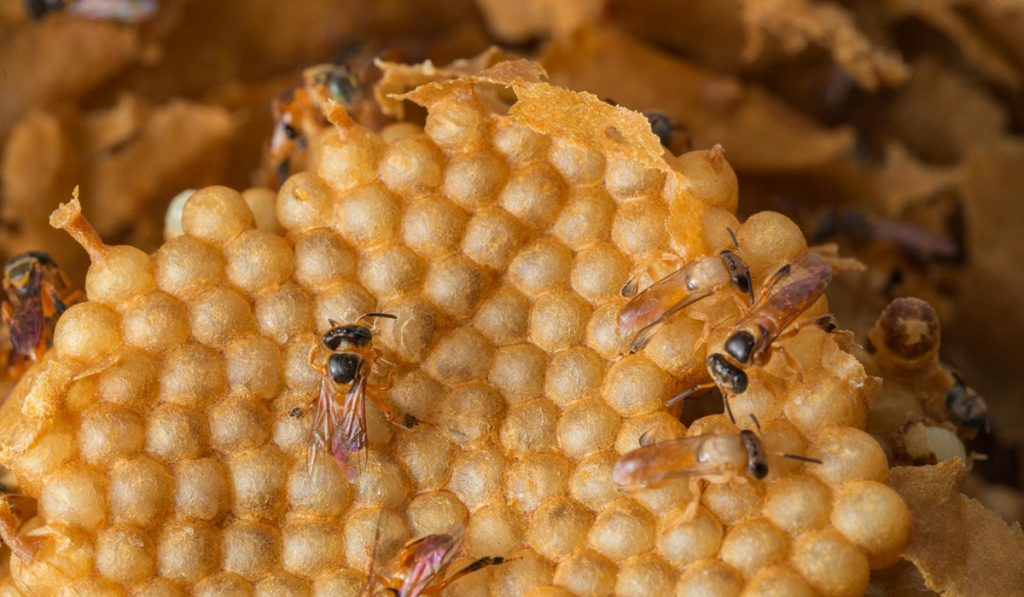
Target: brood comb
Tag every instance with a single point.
(158, 439)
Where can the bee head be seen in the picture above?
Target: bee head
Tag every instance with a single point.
(354, 334)
(727, 375)
(19, 269)
(739, 273)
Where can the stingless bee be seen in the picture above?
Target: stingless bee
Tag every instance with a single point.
(712, 457)
(697, 280)
(965, 407)
(784, 297)
(673, 136)
(37, 292)
(300, 117)
(340, 428)
(422, 564)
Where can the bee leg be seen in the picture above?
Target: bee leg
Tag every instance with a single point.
(652, 270)
(690, 512)
(791, 362)
(408, 420)
(48, 300)
(8, 314)
(62, 278)
(314, 352)
(72, 298)
(742, 302)
(825, 322)
(472, 567)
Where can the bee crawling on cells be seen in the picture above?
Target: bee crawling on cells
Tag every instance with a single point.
(711, 457)
(784, 298)
(699, 279)
(37, 293)
(339, 427)
(421, 567)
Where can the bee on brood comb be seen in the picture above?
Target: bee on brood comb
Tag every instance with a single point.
(37, 293)
(784, 297)
(422, 564)
(340, 429)
(697, 280)
(713, 457)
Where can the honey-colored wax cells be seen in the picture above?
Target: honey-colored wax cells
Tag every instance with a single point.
(163, 443)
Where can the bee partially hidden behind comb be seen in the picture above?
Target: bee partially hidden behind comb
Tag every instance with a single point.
(340, 428)
(300, 117)
(37, 293)
(421, 567)
(14, 509)
(711, 457)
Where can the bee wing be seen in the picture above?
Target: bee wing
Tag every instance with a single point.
(27, 324)
(655, 463)
(425, 560)
(324, 423)
(350, 436)
(657, 302)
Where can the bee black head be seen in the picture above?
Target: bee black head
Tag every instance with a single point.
(354, 334)
(727, 375)
(341, 84)
(739, 273)
(740, 346)
(965, 407)
(661, 126)
(19, 269)
(757, 460)
(343, 367)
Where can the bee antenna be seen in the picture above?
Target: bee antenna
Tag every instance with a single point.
(333, 323)
(802, 458)
(732, 235)
(756, 423)
(728, 409)
(682, 395)
(377, 315)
